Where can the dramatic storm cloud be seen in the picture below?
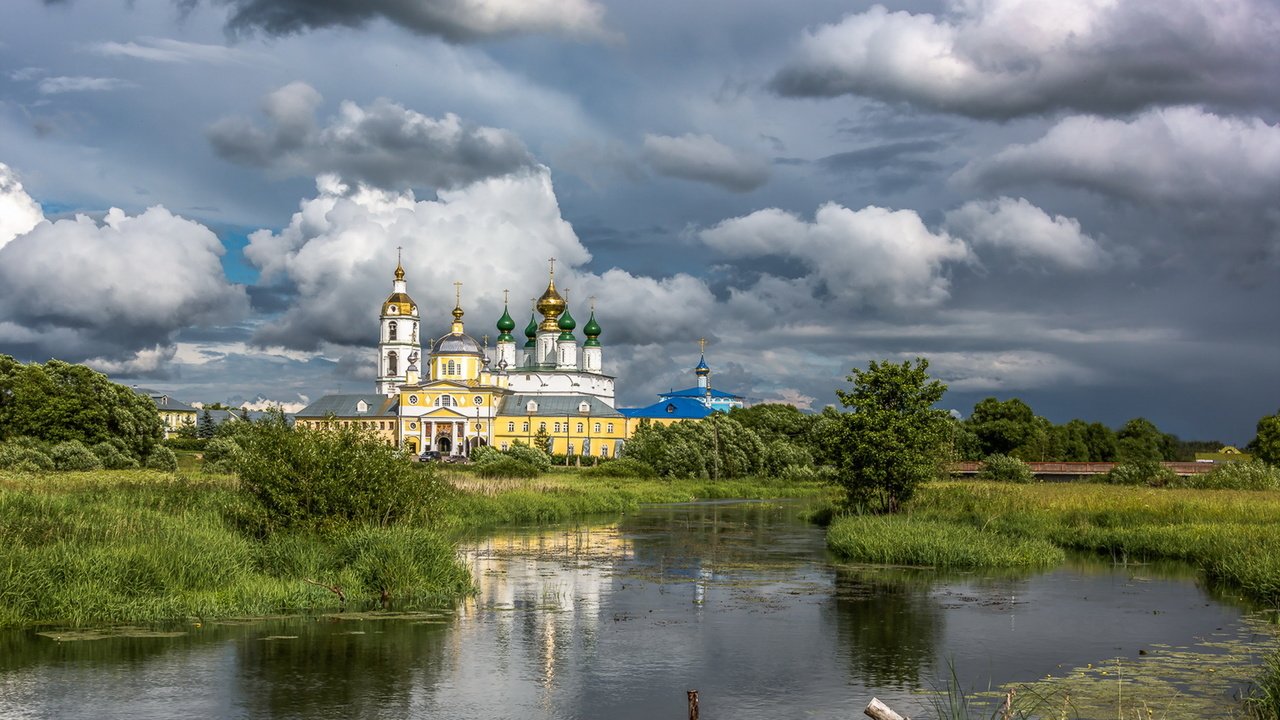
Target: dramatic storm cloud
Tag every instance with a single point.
(1005, 58)
(383, 145)
(454, 20)
(704, 159)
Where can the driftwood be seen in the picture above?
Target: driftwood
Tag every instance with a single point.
(693, 705)
(880, 711)
(342, 598)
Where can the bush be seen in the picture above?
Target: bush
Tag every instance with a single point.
(485, 453)
(1004, 468)
(162, 458)
(16, 457)
(221, 456)
(186, 443)
(73, 455)
(532, 456)
(621, 468)
(1141, 472)
(507, 467)
(113, 458)
(1252, 475)
(304, 478)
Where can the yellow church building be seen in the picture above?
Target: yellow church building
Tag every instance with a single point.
(461, 395)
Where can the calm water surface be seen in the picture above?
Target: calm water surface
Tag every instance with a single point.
(617, 619)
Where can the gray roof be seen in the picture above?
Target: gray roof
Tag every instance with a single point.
(163, 401)
(556, 405)
(346, 406)
(455, 343)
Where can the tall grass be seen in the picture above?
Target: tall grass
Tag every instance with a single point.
(894, 540)
(1264, 700)
(1234, 536)
(106, 547)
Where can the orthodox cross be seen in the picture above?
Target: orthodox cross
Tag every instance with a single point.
(702, 345)
(506, 297)
(457, 294)
(593, 303)
(398, 249)
(553, 267)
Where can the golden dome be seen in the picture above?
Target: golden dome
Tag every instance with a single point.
(399, 271)
(551, 305)
(403, 304)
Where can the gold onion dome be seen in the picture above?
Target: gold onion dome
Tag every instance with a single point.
(399, 271)
(551, 305)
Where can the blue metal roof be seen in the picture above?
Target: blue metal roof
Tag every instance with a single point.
(697, 392)
(680, 408)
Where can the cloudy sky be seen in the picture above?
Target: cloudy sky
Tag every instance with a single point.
(1076, 203)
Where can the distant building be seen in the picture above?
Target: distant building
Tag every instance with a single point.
(692, 403)
(174, 414)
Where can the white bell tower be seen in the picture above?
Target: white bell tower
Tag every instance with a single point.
(398, 335)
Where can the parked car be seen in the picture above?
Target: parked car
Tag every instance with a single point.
(429, 456)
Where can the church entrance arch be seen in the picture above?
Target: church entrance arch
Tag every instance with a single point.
(444, 444)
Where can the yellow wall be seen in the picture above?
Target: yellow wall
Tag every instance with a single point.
(509, 428)
(386, 428)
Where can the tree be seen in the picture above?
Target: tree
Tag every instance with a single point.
(59, 401)
(207, 427)
(1266, 443)
(894, 439)
(1003, 426)
(1139, 441)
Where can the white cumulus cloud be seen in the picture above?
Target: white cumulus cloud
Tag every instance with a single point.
(18, 211)
(874, 255)
(1027, 232)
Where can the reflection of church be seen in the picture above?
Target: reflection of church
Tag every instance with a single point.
(459, 396)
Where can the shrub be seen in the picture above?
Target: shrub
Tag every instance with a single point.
(532, 456)
(17, 457)
(113, 458)
(1004, 468)
(1141, 472)
(485, 453)
(507, 467)
(402, 563)
(162, 458)
(621, 468)
(186, 443)
(73, 455)
(323, 478)
(221, 456)
(1253, 475)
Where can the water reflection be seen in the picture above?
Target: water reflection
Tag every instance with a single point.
(618, 618)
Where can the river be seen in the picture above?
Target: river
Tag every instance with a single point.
(618, 618)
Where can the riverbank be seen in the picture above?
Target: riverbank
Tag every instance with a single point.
(1233, 536)
(147, 547)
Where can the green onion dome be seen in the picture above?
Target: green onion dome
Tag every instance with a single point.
(592, 331)
(567, 324)
(531, 332)
(505, 326)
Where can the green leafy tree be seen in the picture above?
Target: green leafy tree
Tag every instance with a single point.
(1139, 441)
(1266, 443)
(1003, 426)
(59, 401)
(894, 439)
(1102, 443)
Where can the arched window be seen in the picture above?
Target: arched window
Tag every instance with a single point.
(609, 427)
(557, 428)
(451, 368)
(444, 401)
(391, 363)
(391, 330)
(579, 427)
(511, 427)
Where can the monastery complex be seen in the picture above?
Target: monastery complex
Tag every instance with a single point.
(460, 394)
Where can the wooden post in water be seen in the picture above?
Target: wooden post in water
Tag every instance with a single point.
(880, 711)
(693, 705)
